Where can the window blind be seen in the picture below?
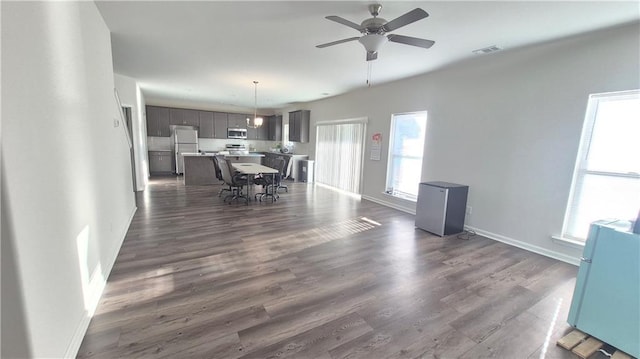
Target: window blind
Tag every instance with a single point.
(339, 151)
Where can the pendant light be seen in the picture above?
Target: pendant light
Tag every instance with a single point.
(256, 121)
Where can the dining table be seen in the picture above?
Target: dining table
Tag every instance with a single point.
(253, 169)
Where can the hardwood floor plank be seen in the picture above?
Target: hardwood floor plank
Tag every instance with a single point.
(316, 275)
(482, 322)
(516, 339)
(316, 342)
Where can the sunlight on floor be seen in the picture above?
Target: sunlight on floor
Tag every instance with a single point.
(154, 284)
(271, 248)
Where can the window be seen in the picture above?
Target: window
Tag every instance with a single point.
(404, 168)
(339, 152)
(606, 181)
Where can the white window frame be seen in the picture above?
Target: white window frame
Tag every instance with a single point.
(581, 170)
(390, 158)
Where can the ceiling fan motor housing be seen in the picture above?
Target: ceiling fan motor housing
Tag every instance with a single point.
(373, 25)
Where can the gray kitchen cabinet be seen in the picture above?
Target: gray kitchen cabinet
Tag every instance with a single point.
(263, 131)
(274, 128)
(158, 121)
(220, 123)
(237, 120)
(206, 124)
(299, 122)
(181, 116)
(260, 133)
(160, 162)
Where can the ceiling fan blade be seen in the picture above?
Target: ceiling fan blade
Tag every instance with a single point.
(413, 41)
(372, 55)
(337, 42)
(345, 22)
(406, 19)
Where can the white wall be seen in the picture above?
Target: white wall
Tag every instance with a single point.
(507, 125)
(67, 197)
(131, 96)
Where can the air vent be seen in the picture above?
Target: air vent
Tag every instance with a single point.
(487, 50)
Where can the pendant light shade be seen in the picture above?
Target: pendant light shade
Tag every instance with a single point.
(256, 121)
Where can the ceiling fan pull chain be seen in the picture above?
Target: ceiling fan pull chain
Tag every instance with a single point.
(369, 67)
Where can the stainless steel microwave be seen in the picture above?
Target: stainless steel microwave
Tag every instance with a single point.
(237, 133)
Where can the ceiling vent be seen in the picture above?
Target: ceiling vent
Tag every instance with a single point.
(487, 50)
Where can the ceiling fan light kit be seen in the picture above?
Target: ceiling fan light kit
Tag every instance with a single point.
(374, 31)
(372, 42)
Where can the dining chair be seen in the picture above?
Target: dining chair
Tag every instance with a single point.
(216, 166)
(235, 181)
(280, 164)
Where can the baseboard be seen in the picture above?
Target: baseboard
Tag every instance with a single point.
(97, 285)
(389, 204)
(497, 237)
(527, 246)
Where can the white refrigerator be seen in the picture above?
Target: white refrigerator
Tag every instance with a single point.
(185, 141)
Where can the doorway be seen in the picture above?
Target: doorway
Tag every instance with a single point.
(126, 111)
(339, 154)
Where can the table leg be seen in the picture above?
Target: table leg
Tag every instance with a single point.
(249, 187)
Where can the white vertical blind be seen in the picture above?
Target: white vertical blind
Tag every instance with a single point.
(339, 151)
(606, 183)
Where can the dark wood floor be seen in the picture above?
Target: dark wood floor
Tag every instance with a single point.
(318, 275)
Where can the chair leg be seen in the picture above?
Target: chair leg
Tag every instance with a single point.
(222, 190)
(236, 194)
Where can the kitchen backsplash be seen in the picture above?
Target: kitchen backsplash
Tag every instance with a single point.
(213, 144)
(158, 143)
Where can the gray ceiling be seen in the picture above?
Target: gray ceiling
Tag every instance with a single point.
(208, 53)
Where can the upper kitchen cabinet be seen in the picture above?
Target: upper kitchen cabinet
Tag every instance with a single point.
(158, 121)
(299, 122)
(206, 124)
(274, 131)
(260, 133)
(220, 123)
(181, 116)
(237, 120)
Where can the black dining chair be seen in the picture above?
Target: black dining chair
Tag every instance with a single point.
(216, 166)
(235, 181)
(280, 164)
(270, 183)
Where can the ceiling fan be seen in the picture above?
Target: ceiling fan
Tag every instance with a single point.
(375, 28)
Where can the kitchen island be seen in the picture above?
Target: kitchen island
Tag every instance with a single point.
(199, 169)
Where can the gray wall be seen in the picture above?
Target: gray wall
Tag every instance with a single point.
(506, 124)
(67, 196)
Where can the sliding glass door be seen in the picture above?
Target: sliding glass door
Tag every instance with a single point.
(339, 153)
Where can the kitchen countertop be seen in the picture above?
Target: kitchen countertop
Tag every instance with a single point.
(247, 155)
(211, 154)
(187, 154)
